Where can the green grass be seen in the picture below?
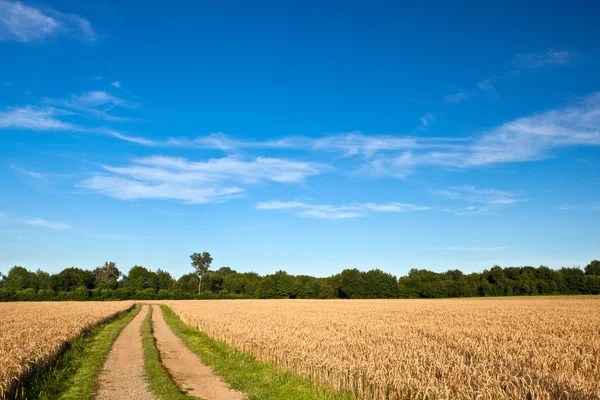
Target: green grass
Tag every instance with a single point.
(159, 379)
(72, 376)
(261, 381)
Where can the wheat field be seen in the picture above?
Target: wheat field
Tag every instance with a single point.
(542, 348)
(33, 333)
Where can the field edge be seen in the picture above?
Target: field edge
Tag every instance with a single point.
(243, 372)
(72, 372)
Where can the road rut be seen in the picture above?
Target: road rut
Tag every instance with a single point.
(186, 369)
(123, 373)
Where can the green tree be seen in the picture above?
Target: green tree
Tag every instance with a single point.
(107, 276)
(188, 283)
(20, 278)
(164, 280)
(70, 278)
(43, 279)
(380, 285)
(574, 280)
(139, 278)
(352, 284)
(201, 263)
(593, 268)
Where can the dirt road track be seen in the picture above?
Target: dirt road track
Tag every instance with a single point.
(123, 374)
(186, 369)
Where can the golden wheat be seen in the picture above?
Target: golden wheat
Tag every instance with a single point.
(545, 348)
(31, 334)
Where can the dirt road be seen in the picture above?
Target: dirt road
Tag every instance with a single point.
(185, 367)
(123, 373)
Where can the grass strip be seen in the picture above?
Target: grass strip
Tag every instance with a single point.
(161, 383)
(73, 375)
(259, 380)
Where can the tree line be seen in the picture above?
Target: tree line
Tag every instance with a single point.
(107, 282)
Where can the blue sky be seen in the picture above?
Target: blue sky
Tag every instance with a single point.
(305, 136)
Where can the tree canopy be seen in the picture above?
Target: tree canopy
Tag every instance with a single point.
(105, 283)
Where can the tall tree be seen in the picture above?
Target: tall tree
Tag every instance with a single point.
(593, 268)
(201, 262)
(164, 279)
(19, 278)
(107, 276)
(140, 278)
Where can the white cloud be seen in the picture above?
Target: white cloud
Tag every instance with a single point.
(472, 194)
(355, 143)
(116, 84)
(456, 97)
(131, 189)
(586, 206)
(330, 214)
(348, 144)
(520, 63)
(32, 174)
(280, 205)
(34, 118)
(96, 104)
(46, 224)
(324, 211)
(94, 99)
(48, 119)
(22, 23)
(524, 139)
(394, 207)
(483, 88)
(467, 248)
(427, 119)
(160, 177)
(127, 138)
(486, 199)
(537, 60)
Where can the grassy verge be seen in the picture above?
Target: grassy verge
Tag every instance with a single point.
(261, 381)
(159, 379)
(73, 375)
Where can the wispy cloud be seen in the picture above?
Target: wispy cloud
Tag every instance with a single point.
(34, 118)
(43, 119)
(348, 211)
(520, 63)
(456, 97)
(427, 119)
(538, 60)
(474, 195)
(466, 248)
(40, 222)
(586, 206)
(529, 138)
(96, 104)
(485, 199)
(482, 88)
(22, 23)
(524, 139)
(57, 115)
(116, 84)
(214, 180)
(26, 172)
(347, 144)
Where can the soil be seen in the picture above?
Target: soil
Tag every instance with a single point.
(123, 374)
(186, 369)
